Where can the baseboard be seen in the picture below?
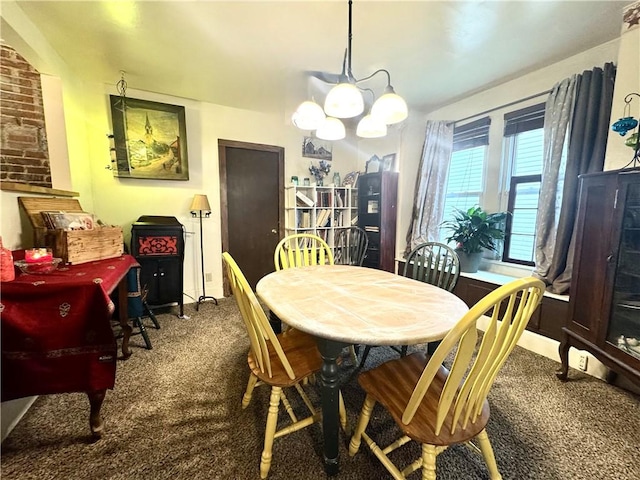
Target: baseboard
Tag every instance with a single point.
(549, 348)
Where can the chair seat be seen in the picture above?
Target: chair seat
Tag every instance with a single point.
(392, 383)
(301, 350)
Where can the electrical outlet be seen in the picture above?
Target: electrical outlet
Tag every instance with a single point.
(582, 362)
(208, 277)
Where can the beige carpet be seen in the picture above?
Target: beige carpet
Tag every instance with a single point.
(175, 414)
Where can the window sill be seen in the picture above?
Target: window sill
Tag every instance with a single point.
(500, 273)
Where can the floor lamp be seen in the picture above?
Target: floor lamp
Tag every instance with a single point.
(200, 208)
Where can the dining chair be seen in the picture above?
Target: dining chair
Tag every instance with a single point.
(437, 407)
(350, 246)
(281, 361)
(301, 250)
(433, 263)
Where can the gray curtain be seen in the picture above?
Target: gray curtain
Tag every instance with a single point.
(587, 146)
(431, 184)
(557, 115)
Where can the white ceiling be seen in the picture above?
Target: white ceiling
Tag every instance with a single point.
(255, 54)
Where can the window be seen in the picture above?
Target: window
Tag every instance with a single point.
(465, 181)
(523, 147)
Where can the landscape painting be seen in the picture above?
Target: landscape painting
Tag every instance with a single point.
(150, 139)
(316, 148)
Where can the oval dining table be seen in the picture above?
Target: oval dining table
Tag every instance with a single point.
(344, 305)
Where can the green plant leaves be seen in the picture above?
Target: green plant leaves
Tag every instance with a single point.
(474, 230)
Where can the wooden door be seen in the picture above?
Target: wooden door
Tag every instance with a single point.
(252, 205)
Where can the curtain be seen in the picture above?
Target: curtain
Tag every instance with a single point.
(431, 184)
(587, 146)
(557, 114)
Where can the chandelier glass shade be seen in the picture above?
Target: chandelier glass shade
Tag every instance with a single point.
(345, 100)
(308, 116)
(331, 129)
(390, 107)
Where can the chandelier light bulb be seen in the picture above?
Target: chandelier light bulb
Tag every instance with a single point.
(371, 127)
(390, 107)
(308, 116)
(344, 101)
(331, 129)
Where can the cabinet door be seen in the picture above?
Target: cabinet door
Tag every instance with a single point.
(592, 249)
(622, 333)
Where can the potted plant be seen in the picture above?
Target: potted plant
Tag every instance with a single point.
(473, 231)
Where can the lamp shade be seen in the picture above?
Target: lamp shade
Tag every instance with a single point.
(371, 127)
(344, 101)
(308, 116)
(390, 107)
(331, 129)
(200, 203)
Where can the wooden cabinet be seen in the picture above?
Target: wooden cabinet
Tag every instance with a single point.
(319, 210)
(157, 243)
(604, 305)
(377, 209)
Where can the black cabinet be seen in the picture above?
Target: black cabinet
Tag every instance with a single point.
(377, 208)
(157, 243)
(604, 305)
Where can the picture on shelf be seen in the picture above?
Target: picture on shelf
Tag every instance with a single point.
(388, 162)
(316, 148)
(350, 179)
(373, 165)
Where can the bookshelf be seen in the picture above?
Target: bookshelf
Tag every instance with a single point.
(320, 210)
(377, 199)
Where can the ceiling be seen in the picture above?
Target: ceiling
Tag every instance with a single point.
(256, 54)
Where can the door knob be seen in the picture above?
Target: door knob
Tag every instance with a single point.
(273, 230)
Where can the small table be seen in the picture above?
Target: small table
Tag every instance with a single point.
(56, 332)
(342, 305)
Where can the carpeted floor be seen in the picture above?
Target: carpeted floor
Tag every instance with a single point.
(175, 414)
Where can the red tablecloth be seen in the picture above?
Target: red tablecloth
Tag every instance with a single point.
(56, 329)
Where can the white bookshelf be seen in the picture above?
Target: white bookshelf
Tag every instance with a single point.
(333, 208)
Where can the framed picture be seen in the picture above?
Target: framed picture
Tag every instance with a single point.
(316, 148)
(150, 139)
(351, 179)
(372, 165)
(388, 162)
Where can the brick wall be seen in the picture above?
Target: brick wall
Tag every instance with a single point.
(24, 155)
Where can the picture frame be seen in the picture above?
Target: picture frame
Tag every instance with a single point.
(388, 162)
(149, 139)
(351, 179)
(372, 165)
(317, 148)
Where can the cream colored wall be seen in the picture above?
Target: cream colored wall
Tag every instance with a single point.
(627, 81)
(530, 84)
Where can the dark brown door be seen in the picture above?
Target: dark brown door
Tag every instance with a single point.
(252, 205)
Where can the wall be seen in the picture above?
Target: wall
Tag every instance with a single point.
(24, 155)
(527, 85)
(627, 81)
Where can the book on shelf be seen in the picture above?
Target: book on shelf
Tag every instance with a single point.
(372, 206)
(323, 217)
(371, 228)
(354, 220)
(339, 199)
(303, 201)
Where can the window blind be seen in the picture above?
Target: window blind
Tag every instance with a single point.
(473, 134)
(523, 120)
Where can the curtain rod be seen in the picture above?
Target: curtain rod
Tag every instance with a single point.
(499, 107)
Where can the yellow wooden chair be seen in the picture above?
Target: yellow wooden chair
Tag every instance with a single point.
(301, 250)
(281, 361)
(437, 407)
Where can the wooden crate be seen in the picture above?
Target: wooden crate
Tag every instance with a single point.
(74, 247)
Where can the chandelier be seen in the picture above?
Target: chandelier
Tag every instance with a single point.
(345, 100)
